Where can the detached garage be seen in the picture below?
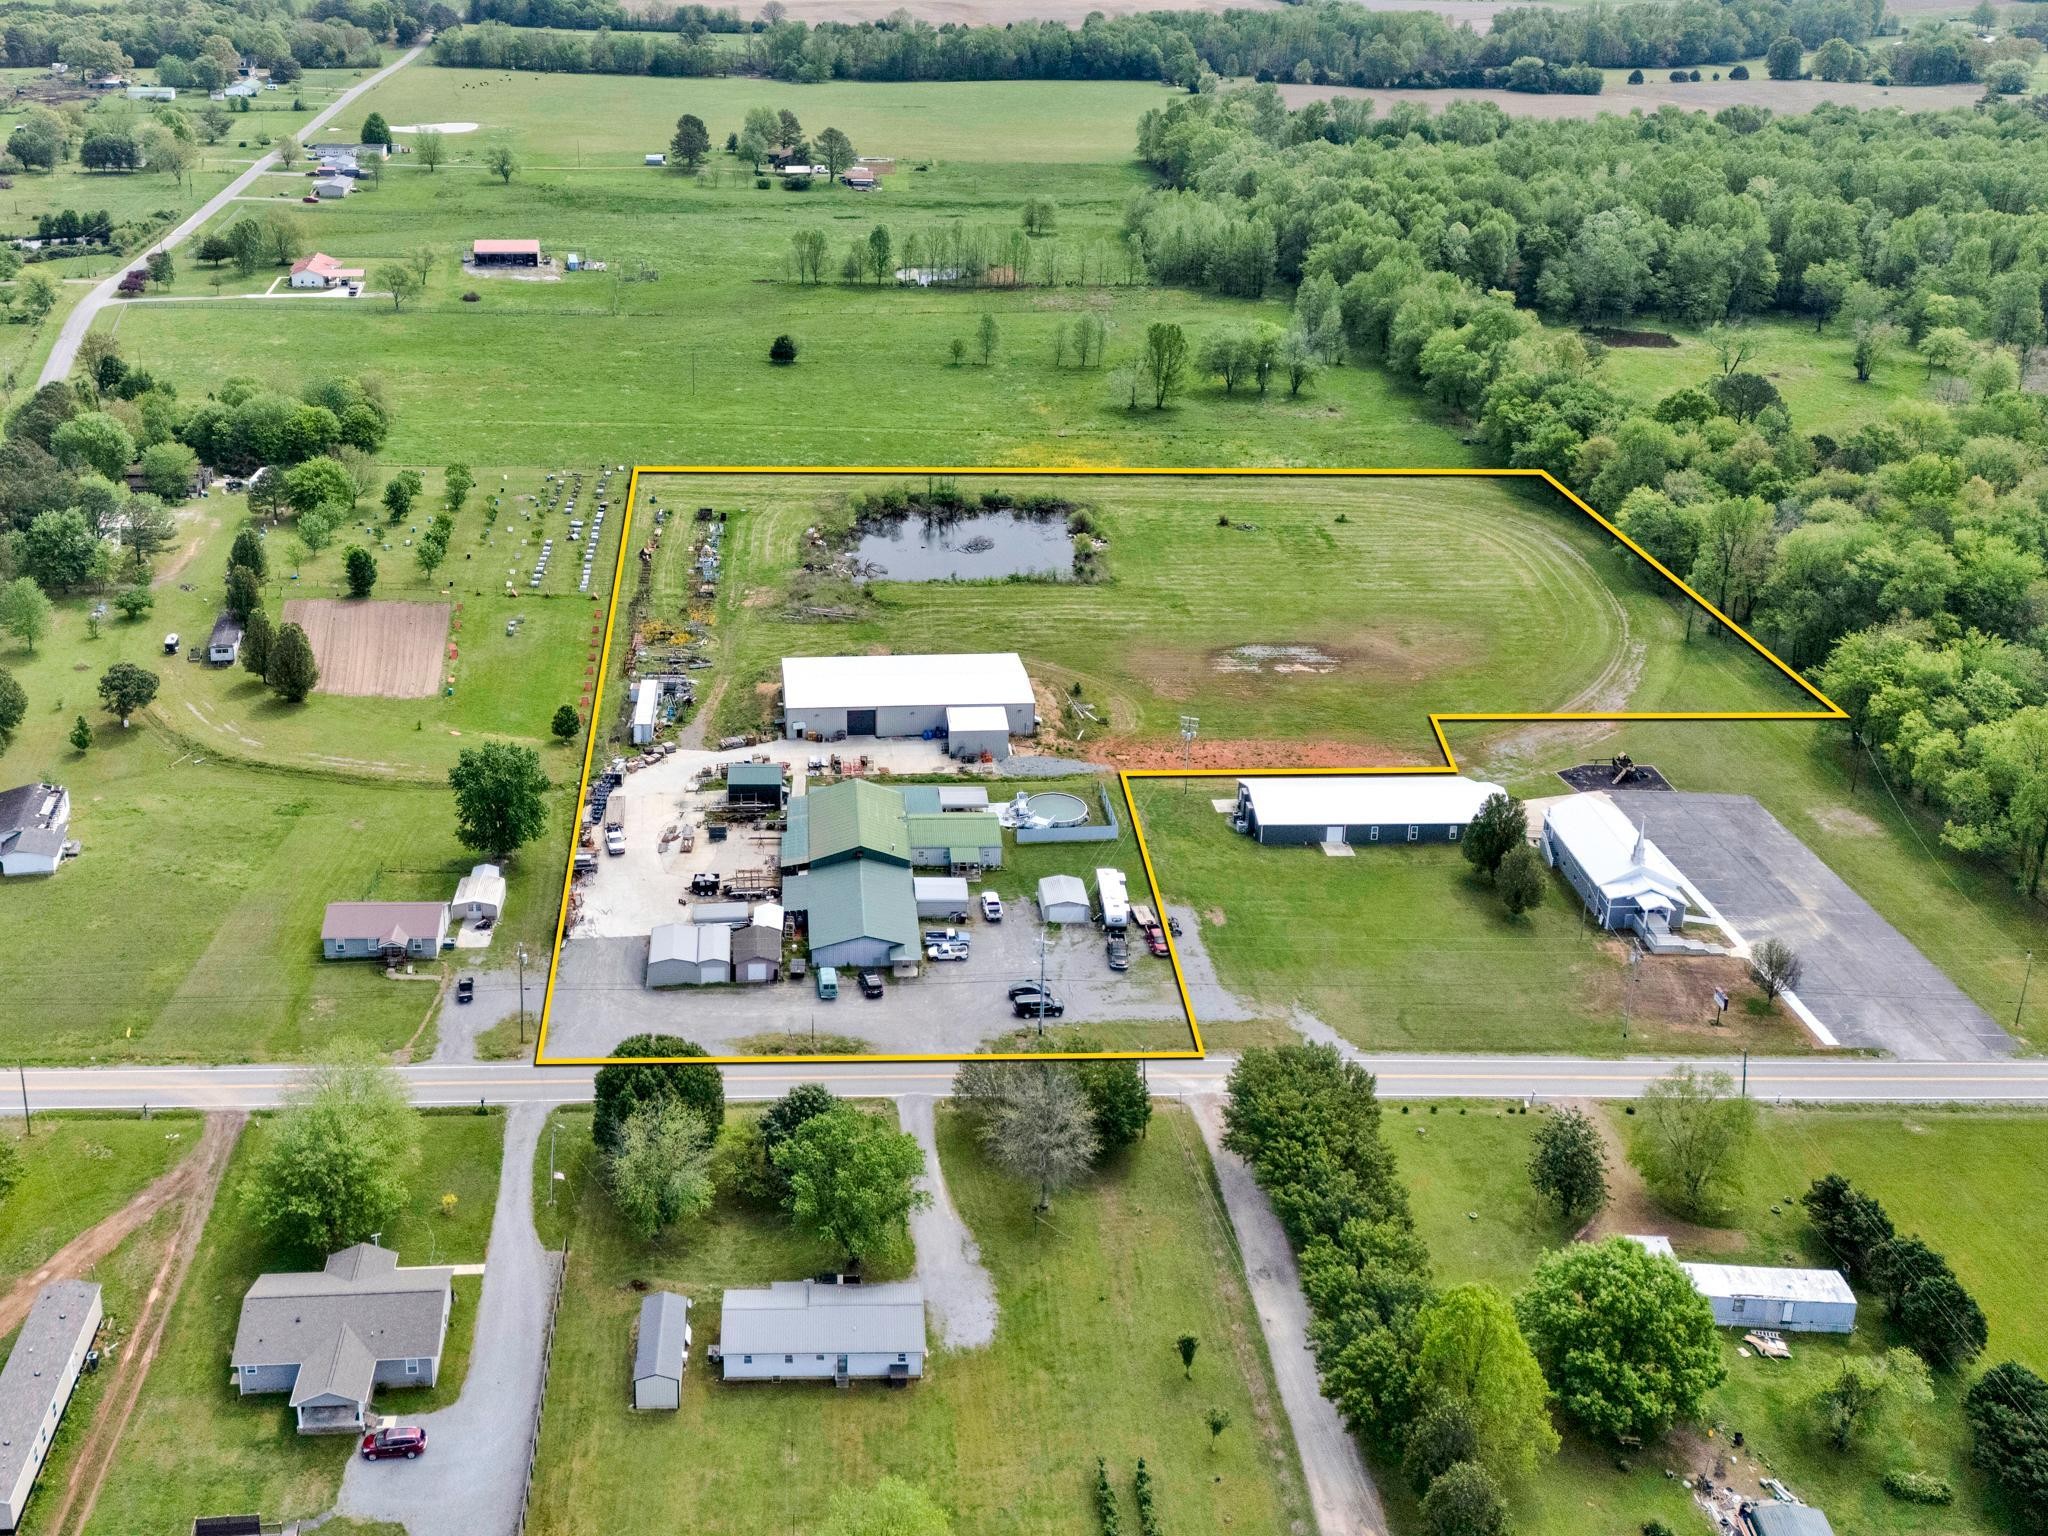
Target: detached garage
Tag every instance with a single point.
(1312, 809)
(826, 698)
(661, 1351)
(689, 955)
(1063, 899)
(941, 896)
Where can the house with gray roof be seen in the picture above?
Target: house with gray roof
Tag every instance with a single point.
(661, 1351)
(34, 819)
(330, 1337)
(36, 1384)
(805, 1330)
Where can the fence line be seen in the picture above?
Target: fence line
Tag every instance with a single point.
(1084, 834)
(547, 1357)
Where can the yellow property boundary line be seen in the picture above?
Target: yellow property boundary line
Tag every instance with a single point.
(1827, 710)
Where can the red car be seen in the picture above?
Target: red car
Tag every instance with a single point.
(400, 1440)
(1155, 941)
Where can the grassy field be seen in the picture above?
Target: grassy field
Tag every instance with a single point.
(1947, 1176)
(76, 1171)
(194, 1444)
(1006, 1438)
(1406, 949)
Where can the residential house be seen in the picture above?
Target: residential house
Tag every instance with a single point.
(805, 1330)
(224, 645)
(34, 819)
(383, 930)
(332, 188)
(320, 270)
(332, 1336)
(36, 1384)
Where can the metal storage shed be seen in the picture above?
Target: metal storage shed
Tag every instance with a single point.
(757, 953)
(662, 1351)
(689, 955)
(975, 729)
(755, 784)
(941, 895)
(1789, 1300)
(1063, 899)
(1310, 809)
(1779, 1518)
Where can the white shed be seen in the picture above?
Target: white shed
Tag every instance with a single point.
(689, 955)
(830, 697)
(480, 893)
(646, 700)
(941, 895)
(662, 1351)
(973, 730)
(1063, 899)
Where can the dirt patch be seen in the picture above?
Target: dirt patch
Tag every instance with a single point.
(1631, 1209)
(1839, 818)
(200, 529)
(1276, 659)
(1215, 917)
(1254, 752)
(1615, 338)
(374, 649)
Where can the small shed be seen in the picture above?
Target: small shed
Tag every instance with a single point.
(729, 914)
(1789, 1300)
(480, 893)
(756, 953)
(661, 1351)
(1062, 899)
(941, 895)
(646, 701)
(977, 730)
(655, 160)
(332, 188)
(756, 784)
(689, 955)
(224, 645)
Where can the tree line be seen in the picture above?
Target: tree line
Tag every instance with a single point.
(112, 38)
(1538, 48)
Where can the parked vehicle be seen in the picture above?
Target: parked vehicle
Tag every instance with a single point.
(991, 907)
(828, 983)
(1031, 1007)
(1173, 925)
(704, 883)
(465, 990)
(870, 984)
(945, 951)
(398, 1440)
(1119, 953)
(1020, 988)
(171, 643)
(946, 936)
(1155, 940)
(614, 839)
(485, 924)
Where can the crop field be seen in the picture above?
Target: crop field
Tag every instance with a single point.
(385, 650)
(1943, 1175)
(1083, 1365)
(1305, 621)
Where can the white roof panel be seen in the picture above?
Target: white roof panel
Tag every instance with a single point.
(1366, 799)
(977, 717)
(883, 682)
(1773, 1284)
(802, 1317)
(1603, 840)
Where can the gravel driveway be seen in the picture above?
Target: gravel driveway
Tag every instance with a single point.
(472, 1478)
(1340, 1489)
(960, 1292)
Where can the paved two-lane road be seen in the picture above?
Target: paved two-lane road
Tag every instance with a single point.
(1830, 1080)
(62, 355)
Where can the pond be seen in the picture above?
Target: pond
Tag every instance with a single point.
(977, 546)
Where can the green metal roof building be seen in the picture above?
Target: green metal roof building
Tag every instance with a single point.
(858, 912)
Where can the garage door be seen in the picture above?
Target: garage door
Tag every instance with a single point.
(860, 722)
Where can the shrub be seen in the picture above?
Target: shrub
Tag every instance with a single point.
(1107, 1515)
(796, 183)
(761, 183)
(1739, 72)
(1635, 77)
(1917, 1487)
(782, 351)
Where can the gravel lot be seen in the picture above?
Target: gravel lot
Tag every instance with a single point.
(960, 1292)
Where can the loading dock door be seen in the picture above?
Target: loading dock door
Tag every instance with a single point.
(860, 722)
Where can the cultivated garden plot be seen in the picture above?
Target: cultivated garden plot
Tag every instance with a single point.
(384, 650)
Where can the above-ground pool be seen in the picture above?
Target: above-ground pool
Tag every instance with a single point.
(1056, 808)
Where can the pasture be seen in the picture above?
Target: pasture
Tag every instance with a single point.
(1944, 1175)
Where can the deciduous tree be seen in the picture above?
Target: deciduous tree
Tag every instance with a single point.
(1471, 1349)
(336, 1164)
(1568, 1166)
(1501, 823)
(361, 568)
(632, 1081)
(25, 612)
(660, 1171)
(125, 688)
(500, 802)
(852, 1181)
(1692, 1132)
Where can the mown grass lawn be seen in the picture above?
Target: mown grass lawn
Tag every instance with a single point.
(77, 1170)
(1953, 1177)
(1083, 1365)
(194, 1444)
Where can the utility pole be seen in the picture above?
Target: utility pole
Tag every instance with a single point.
(1041, 983)
(522, 994)
(553, 1126)
(2024, 980)
(1745, 1071)
(1189, 726)
(28, 1126)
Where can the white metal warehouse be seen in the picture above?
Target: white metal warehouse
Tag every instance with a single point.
(1361, 808)
(829, 697)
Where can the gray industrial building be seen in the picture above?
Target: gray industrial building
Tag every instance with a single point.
(1359, 809)
(805, 1330)
(36, 1384)
(825, 698)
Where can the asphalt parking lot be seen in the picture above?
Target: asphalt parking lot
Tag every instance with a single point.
(1861, 977)
(953, 1006)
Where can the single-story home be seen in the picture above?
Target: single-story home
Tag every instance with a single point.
(756, 784)
(661, 1351)
(1063, 899)
(480, 893)
(1780, 1517)
(34, 819)
(826, 698)
(383, 930)
(940, 895)
(1359, 808)
(35, 1385)
(689, 955)
(804, 1330)
(332, 188)
(1765, 1296)
(1623, 878)
(224, 645)
(330, 1337)
(320, 270)
(757, 953)
(504, 253)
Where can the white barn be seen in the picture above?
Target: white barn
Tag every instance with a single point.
(828, 697)
(1623, 878)
(1063, 899)
(689, 955)
(1359, 808)
(801, 1330)
(974, 729)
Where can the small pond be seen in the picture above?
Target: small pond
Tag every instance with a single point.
(976, 546)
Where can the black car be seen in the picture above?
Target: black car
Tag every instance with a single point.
(465, 990)
(1020, 988)
(1031, 1006)
(870, 984)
